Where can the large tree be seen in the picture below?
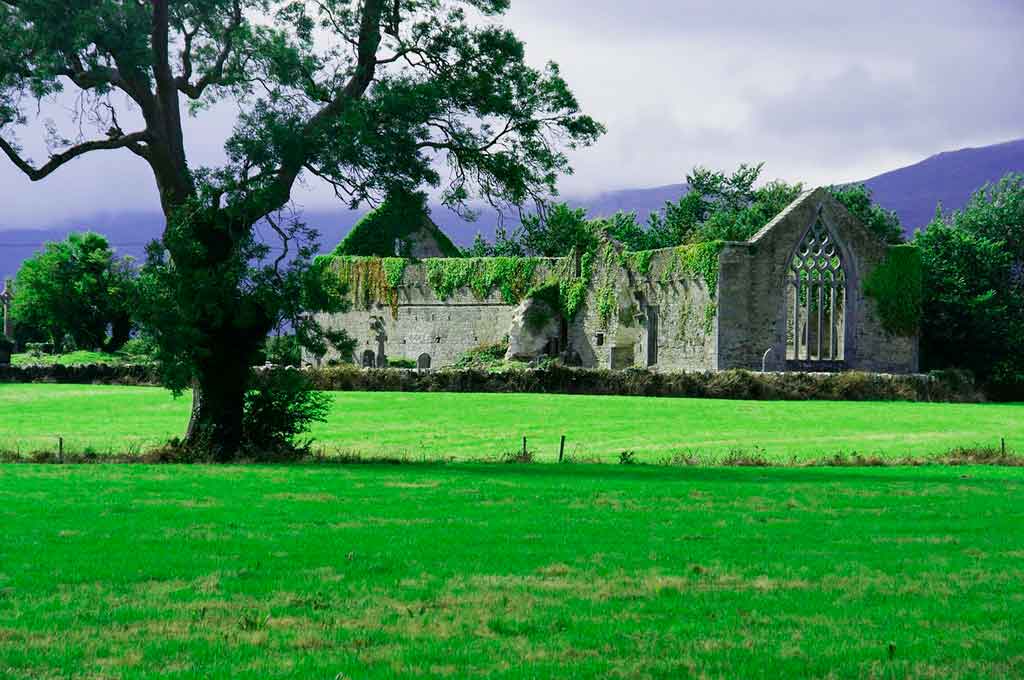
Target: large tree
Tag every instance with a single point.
(76, 288)
(369, 96)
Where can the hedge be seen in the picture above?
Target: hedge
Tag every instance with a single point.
(939, 386)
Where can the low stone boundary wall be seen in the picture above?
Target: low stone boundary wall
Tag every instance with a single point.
(85, 374)
(944, 386)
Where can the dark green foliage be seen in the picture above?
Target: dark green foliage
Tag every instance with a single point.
(401, 363)
(716, 207)
(280, 407)
(549, 293)
(896, 285)
(283, 350)
(974, 288)
(624, 228)
(505, 245)
(386, 231)
(720, 207)
(343, 344)
(558, 232)
(883, 223)
(76, 293)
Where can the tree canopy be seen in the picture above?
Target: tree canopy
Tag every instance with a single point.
(75, 289)
(974, 287)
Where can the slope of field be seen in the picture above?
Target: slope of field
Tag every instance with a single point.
(474, 426)
(539, 571)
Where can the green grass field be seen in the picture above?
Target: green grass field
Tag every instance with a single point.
(476, 426)
(506, 571)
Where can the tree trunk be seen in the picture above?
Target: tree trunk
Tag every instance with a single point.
(229, 327)
(218, 401)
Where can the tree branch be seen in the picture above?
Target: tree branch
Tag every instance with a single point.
(195, 91)
(57, 160)
(88, 79)
(355, 88)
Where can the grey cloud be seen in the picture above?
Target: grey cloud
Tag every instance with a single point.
(823, 91)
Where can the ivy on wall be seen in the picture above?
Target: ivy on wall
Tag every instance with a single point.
(513, 277)
(701, 260)
(565, 290)
(400, 218)
(367, 281)
(638, 261)
(376, 280)
(896, 286)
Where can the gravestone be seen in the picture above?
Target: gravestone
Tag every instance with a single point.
(6, 297)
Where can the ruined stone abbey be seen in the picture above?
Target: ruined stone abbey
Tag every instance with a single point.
(792, 298)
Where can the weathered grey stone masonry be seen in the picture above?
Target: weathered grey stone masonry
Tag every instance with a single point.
(790, 297)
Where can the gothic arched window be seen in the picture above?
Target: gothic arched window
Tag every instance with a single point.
(816, 298)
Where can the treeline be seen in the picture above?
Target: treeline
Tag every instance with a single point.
(717, 207)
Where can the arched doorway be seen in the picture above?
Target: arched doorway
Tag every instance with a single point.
(369, 359)
(816, 304)
(423, 362)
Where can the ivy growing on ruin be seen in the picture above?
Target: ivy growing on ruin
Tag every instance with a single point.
(638, 261)
(513, 277)
(896, 285)
(367, 281)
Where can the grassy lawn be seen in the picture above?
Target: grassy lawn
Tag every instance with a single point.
(499, 571)
(468, 426)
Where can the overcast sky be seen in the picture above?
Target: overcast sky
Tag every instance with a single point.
(822, 91)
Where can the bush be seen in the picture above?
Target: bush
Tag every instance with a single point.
(484, 357)
(279, 408)
(401, 363)
(283, 350)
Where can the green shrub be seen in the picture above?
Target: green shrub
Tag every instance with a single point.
(280, 407)
(283, 350)
(484, 357)
(896, 285)
(401, 363)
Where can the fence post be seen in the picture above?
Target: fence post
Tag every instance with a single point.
(561, 449)
(60, 449)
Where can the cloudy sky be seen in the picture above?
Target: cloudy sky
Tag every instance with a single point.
(821, 91)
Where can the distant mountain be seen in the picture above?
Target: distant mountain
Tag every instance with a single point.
(913, 192)
(950, 178)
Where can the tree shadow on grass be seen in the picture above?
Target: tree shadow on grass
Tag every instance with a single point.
(696, 474)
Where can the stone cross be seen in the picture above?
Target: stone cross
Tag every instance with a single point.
(5, 299)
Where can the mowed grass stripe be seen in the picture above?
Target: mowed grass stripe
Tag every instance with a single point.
(514, 572)
(467, 426)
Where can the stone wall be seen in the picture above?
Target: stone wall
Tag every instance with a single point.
(659, 322)
(753, 292)
(426, 326)
(662, 316)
